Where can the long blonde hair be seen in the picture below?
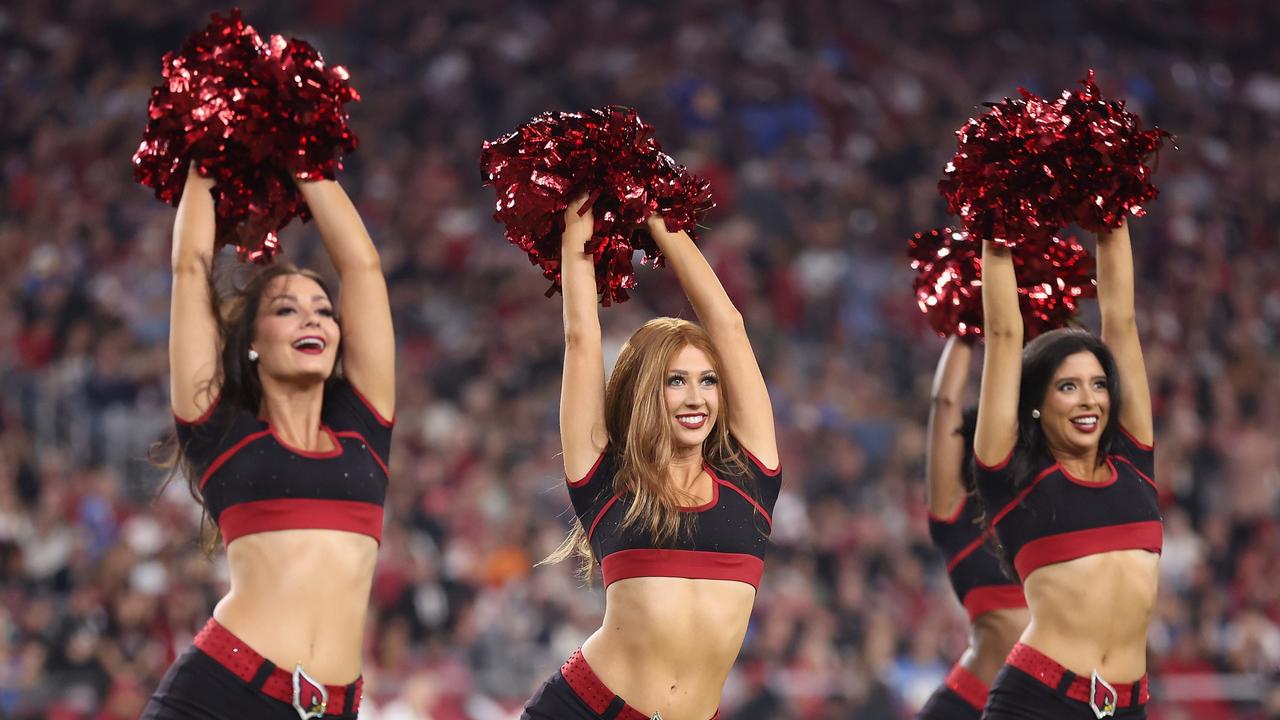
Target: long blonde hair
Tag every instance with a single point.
(639, 433)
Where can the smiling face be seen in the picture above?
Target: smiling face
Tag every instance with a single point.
(691, 390)
(296, 332)
(1076, 405)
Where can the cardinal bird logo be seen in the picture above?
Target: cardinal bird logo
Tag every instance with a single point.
(309, 696)
(1102, 697)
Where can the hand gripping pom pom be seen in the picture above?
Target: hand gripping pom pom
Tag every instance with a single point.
(1052, 277)
(1028, 167)
(609, 154)
(250, 115)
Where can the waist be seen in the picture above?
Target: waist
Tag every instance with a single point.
(296, 686)
(591, 690)
(1092, 689)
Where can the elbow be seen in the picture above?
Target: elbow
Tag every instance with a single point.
(190, 262)
(578, 337)
(726, 321)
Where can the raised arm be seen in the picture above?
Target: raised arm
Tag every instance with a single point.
(752, 422)
(193, 327)
(997, 430)
(946, 445)
(1120, 331)
(582, 428)
(368, 340)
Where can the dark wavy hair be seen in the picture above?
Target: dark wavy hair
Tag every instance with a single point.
(1041, 359)
(239, 389)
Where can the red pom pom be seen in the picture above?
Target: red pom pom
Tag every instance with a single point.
(608, 153)
(1029, 167)
(1052, 277)
(251, 115)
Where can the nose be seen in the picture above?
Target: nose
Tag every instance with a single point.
(693, 395)
(1088, 398)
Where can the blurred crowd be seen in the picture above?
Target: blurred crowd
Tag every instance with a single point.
(823, 127)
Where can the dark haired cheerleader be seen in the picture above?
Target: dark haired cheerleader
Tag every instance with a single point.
(673, 472)
(996, 607)
(1065, 465)
(288, 455)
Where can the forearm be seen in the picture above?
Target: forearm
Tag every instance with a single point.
(1115, 278)
(710, 302)
(578, 285)
(1001, 317)
(952, 375)
(194, 226)
(345, 238)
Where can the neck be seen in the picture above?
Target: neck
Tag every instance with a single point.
(293, 411)
(686, 466)
(1080, 464)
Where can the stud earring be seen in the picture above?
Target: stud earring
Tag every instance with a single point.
(1034, 413)
(253, 355)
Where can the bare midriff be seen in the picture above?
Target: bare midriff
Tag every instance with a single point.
(991, 636)
(300, 596)
(1092, 613)
(667, 644)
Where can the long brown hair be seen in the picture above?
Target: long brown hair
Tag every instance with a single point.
(640, 435)
(235, 384)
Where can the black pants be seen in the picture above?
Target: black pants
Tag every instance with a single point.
(945, 704)
(197, 687)
(555, 700)
(1016, 695)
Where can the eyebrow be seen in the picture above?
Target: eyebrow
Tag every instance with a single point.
(287, 296)
(1073, 378)
(686, 372)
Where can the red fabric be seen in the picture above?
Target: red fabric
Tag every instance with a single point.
(989, 598)
(968, 686)
(235, 655)
(1048, 671)
(695, 564)
(229, 453)
(300, 513)
(1036, 554)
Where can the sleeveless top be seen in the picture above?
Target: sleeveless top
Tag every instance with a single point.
(1057, 517)
(253, 482)
(728, 538)
(975, 573)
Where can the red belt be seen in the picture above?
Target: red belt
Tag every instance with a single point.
(1100, 694)
(968, 686)
(591, 690)
(311, 699)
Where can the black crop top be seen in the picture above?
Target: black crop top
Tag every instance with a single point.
(727, 542)
(976, 576)
(253, 482)
(1057, 517)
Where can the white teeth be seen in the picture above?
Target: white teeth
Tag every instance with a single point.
(309, 342)
(1086, 420)
(690, 419)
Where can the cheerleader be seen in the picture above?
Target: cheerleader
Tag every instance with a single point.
(1065, 466)
(672, 468)
(283, 399)
(996, 608)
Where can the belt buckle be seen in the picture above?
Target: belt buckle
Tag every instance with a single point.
(1100, 689)
(309, 696)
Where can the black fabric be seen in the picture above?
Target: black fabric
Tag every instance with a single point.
(945, 704)
(733, 525)
(265, 469)
(198, 688)
(976, 564)
(555, 700)
(1056, 504)
(1015, 695)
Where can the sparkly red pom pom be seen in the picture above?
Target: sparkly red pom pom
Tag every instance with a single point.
(1029, 167)
(251, 115)
(609, 154)
(1052, 278)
